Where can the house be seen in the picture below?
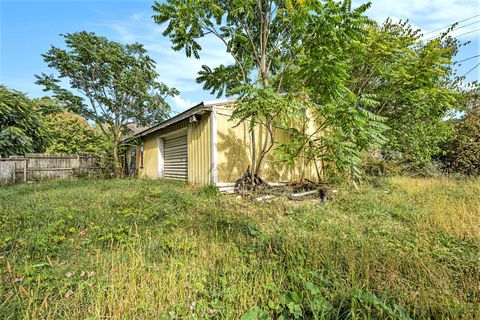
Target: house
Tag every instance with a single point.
(203, 146)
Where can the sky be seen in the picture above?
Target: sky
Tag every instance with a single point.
(29, 27)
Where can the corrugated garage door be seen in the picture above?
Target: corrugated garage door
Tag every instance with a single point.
(176, 158)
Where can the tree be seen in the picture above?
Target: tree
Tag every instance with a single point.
(46, 105)
(71, 134)
(117, 84)
(344, 127)
(461, 153)
(267, 40)
(22, 129)
(414, 83)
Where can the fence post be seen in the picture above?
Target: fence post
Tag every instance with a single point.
(25, 171)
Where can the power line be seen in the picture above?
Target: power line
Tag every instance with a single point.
(466, 33)
(452, 36)
(455, 29)
(466, 25)
(451, 24)
(478, 64)
(469, 58)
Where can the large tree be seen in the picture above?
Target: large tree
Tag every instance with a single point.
(344, 127)
(109, 83)
(267, 40)
(414, 83)
(22, 129)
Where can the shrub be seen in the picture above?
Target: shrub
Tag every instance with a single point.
(462, 151)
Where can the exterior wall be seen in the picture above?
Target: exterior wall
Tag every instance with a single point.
(199, 151)
(151, 151)
(233, 147)
(234, 153)
(150, 157)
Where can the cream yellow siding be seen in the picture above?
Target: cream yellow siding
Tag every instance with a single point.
(150, 157)
(234, 152)
(233, 147)
(199, 151)
(150, 142)
(231, 153)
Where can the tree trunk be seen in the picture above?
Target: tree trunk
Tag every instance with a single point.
(267, 145)
(254, 147)
(115, 164)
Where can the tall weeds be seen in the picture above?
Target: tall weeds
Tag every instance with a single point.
(126, 249)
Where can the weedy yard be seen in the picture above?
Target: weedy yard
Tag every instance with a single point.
(125, 249)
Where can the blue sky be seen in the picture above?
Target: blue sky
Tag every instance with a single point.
(28, 28)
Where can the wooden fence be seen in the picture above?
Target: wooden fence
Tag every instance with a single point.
(36, 167)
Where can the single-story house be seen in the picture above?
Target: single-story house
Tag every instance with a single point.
(203, 146)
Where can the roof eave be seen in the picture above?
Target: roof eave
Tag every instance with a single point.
(201, 107)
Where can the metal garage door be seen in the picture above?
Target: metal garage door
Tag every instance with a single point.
(176, 158)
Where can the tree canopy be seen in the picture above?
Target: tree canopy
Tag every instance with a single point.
(273, 44)
(365, 86)
(71, 134)
(414, 84)
(109, 83)
(461, 152)
(22, 129)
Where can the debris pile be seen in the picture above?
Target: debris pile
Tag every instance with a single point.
(255, 188)
(249, 183)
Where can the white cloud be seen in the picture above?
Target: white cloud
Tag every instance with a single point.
(175, 69)
(138, 16)
(182, 104)
(426, 14)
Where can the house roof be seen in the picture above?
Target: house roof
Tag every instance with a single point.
(135, 128)
(197, 109)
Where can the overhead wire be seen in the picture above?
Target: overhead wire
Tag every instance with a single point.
(466, 33)
(457, 36)
(478, 64)
(451, 24)
(469, 58)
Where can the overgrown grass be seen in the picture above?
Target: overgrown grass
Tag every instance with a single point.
(125, 249)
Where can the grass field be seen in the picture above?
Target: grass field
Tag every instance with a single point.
(133, 249)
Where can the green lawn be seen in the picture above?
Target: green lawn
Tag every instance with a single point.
(124, 249)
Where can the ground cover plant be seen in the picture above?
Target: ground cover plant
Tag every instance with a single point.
(129, 249)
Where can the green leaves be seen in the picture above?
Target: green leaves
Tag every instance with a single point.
(413, 83)
(22, 129)
(119, 81)
(254, 313)
(109, 83)
(221, 80)
(462, 150)
(71, 134)
(366, 87)
(344, 127)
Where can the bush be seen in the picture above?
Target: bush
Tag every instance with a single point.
(462, 151)
(431, 169)
(70, 134)
(378, 167)
(22, 129)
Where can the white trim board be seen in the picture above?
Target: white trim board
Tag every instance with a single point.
(160, 157)
(213, 145)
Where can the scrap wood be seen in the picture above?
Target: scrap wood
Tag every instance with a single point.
(299, 196)
(249, 182)
(265, 198)
(227, 190)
